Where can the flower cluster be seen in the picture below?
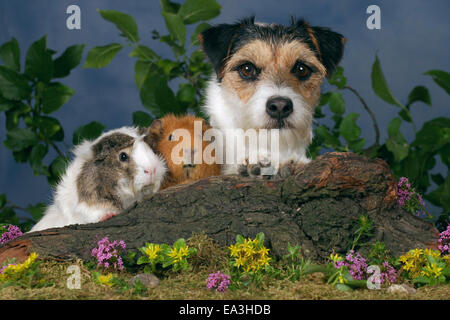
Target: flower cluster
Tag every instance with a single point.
(420, 262)
(165, 255)
(444, 241)
(11, 270)
(218, 280)
(389, 274)
(250, 255)
(9, 233)
(108, 253)
(408, 198)
(355, 263)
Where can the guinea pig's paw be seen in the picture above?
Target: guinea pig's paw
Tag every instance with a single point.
(108, 216)
(290, 168)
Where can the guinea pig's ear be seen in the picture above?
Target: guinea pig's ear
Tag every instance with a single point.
(102, 149)
(328, 45)
(217, 42)
(155, 133)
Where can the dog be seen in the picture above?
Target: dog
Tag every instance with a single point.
(268, 76)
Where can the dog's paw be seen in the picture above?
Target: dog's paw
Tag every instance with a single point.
(262, 169)
(290, 168)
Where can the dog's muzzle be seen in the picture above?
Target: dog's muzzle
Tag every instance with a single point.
(279, 107)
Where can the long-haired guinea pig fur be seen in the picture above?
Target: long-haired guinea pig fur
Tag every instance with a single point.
(106, 176)
(161, 132)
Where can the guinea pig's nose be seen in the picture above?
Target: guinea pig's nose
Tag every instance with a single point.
(279, 107)
(150, 171)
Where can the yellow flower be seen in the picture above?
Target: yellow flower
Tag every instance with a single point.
(151, 250)
(13, 269)
(106, 280)
(178, 254)
(335, 257)
(432, 271)
(432, 253)
(234, 250)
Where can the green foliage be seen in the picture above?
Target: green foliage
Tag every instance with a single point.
(29, 97)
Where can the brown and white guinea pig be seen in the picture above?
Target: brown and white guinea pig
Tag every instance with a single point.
(106, 176)
(169, 141)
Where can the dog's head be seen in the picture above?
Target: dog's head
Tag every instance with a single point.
(272, 73)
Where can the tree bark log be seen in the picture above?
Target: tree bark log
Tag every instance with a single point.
(317, 208)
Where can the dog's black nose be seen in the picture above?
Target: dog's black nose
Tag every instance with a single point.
(279, 107)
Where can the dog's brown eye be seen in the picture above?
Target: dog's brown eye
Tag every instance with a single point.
(248, 71)
(301, 71)
(123, 157)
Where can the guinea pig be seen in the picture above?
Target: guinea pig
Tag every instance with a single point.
(106, 176)
(162, 133)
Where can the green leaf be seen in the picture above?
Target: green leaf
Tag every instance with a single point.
(441, 195)
(90, 131)
(37, 211)
(68, 60)
(442, 78)
(54, 96)
(330, 141)
(175, 26)
(124, 22)
(10, 54)
(348, 127)
(2, 200)
(397, 143)
(49, 127)
(20, 138)
(336, 102)
(142, 119)
(143, 53)
(38, 61)
(157, 97)
(199, 29)
(99, 57)
(57, 169)
(37, 155)
(193, 11)
(186, 93)
(434, 135)
(141, 70)
(338, 79)
(169, 6)
(13, 86)
(419, 93)
(380, 86)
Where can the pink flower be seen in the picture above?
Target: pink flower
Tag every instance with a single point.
(108, 253)
(10, 233)
(444, 241)
(219, 281)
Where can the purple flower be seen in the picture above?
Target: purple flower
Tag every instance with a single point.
(356, 264)
(9, 233)
(218, 280)
(107, 253)
(444, 241)
(408, 198)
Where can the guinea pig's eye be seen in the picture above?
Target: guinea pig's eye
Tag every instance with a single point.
(123, 157)
(301, 71)
(248, 71)
(170, 137)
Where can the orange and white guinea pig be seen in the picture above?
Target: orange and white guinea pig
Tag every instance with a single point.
(168, 141)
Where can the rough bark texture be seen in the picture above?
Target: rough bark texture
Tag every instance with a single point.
(318, 208)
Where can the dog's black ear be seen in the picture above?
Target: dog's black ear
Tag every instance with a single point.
(328, 45)
(331, 47)
(216, 43)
